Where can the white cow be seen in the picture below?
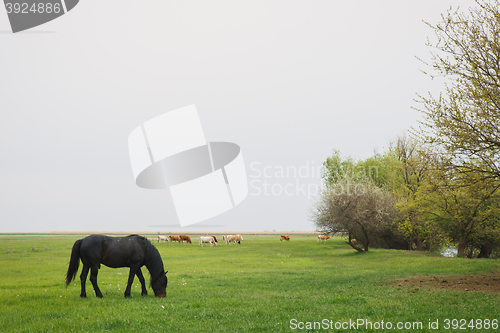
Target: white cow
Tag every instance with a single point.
(208, 239)
(163, 238)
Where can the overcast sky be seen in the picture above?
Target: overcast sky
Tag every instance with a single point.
(288, 81)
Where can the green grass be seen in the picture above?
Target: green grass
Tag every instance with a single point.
(258, 286)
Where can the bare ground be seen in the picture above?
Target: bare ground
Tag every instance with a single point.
(480, 282)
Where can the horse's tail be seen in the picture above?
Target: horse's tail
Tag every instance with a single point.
(74, 262)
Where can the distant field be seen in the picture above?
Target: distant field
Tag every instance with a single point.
(262, 285)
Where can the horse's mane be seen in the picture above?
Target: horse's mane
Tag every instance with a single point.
(154, 263)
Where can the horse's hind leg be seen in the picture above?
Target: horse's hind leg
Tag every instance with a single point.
(83, 279)
(143, 283)
(93, 279)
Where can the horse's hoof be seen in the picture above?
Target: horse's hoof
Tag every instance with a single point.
(128, 296)
(98, 296)
(144, 294)
(83, 296)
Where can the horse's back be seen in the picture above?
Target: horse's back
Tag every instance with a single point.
(92, 243)
(111, 251)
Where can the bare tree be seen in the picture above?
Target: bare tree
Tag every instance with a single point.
(356, 207)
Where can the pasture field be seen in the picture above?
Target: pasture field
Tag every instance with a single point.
(258, 286)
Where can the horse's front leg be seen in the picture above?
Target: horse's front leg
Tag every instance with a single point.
(93, 279)
(133, 271)
(143, 283)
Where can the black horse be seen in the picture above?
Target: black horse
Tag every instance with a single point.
(132, 251)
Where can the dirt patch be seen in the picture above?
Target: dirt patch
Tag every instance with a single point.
(479, 282)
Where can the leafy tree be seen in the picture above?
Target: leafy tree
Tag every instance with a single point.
(463, 125)
(413, 163)
(336, 167)
(464, 121)
(465, 208)
(413, 168)
(486, 240)
(382, 169)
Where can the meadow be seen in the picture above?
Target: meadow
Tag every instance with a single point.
(262, 285)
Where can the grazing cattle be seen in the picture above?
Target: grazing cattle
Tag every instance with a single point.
(185, 238)
(323, 237)
(174, 238)
(163, 238)
(227, 238)
(232, 238)
(239, 238)
(208, 239)
(285, 237)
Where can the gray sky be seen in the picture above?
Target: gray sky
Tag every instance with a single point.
(288, 81)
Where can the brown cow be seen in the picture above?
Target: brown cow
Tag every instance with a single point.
(285, 237)
(323, 237)
(239, 238)
(232, 238)
(185, 238)
(174, 238)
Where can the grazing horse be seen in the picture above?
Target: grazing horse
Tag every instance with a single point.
(163, 238)
(132, 251)
(322, 237)
(208, 239)
(285, 237)
(185, 238)
(174, 238)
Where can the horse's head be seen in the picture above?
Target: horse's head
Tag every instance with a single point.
(160, 285)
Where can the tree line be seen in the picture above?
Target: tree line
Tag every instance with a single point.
(439, 184)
